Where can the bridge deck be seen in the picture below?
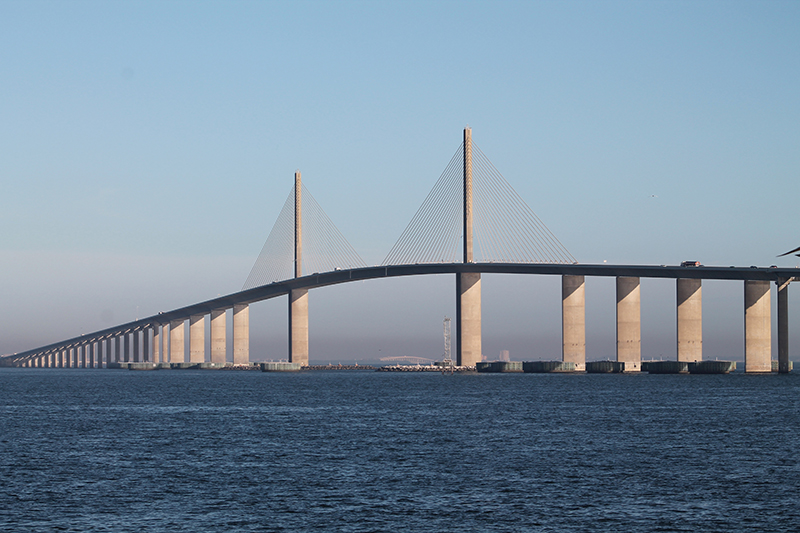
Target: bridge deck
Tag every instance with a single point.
(336, 277)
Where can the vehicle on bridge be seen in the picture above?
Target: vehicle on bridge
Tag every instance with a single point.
(691, 264)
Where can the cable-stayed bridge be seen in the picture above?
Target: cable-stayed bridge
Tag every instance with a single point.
(472, 222)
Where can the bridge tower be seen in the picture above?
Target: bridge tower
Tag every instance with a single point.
(468, 284)
(298, 298)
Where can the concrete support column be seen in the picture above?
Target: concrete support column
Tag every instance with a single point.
(298, 326)
(156, 351)
(125, 343)
(690, 319)
(135, 347)
(197, 338)
(165, 335)
(218, 340)
(241, 334)
(91, 352)
(757, 327)
(629, 328)
(81, 356)
(176, 349)
(118, 348)
(147, 345)
(783, 326)
(573, 321)
(468, 318)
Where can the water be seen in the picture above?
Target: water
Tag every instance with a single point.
(98, 450)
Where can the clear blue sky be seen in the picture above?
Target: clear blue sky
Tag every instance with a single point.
(146, 148)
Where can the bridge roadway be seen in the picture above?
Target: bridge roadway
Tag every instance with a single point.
(280, 288)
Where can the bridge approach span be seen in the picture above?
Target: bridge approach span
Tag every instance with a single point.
(336, 277)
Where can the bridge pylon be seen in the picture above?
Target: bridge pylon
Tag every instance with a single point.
(298, 298)
(468, 284)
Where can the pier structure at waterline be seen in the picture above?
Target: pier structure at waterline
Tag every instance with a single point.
(471, 223)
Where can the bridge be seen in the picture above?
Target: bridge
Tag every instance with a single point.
(471, 211)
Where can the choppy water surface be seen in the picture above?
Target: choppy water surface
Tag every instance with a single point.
(96, 450)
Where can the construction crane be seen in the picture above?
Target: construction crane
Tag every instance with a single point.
(447, 362)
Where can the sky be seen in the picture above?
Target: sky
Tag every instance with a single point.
(146, 149)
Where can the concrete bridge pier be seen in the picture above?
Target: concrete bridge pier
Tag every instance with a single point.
(118, 348)
(147, 345)
(298, 326)
(124, 342)
(573, 321)
(135, 347)
(690, 319)
(783, 325)
(165, 334)
(156, 351)
(176, 348)
(197, 339)
(757, 327)
(468, 318)
(218, 336)
(629, 330)
(241, 334)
